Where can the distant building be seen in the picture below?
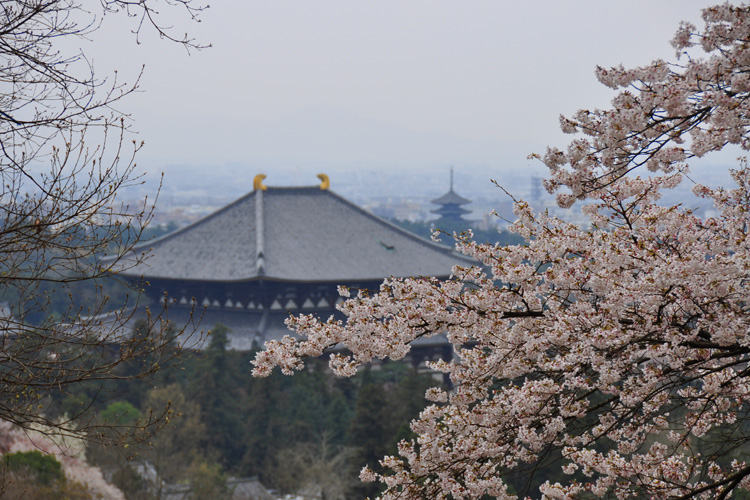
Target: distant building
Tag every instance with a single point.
(450, 210)
(278, 251)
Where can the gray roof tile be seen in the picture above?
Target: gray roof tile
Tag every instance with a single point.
(451, 197)
(309, 235)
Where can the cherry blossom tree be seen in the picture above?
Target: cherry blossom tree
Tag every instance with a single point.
(601, 362)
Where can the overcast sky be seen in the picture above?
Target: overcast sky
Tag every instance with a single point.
(384, 84)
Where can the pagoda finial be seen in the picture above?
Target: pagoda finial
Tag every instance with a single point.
(258, 182)
(326, 183)
(451, 178)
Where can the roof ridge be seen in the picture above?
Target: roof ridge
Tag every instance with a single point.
(295, 233)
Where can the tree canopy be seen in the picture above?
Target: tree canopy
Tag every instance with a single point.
(601, 362)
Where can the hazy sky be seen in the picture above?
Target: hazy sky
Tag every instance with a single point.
(382, 84)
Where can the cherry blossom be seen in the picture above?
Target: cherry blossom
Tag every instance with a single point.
(665, 113)
(616, 354)
(68, 450)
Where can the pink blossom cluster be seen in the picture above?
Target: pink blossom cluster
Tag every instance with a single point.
(632, 332)
(616, 353)
(664, 113)
(69, 451)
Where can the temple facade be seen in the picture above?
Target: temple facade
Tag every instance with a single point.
(279, 251)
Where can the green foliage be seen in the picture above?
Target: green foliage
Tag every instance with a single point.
(340, 415)
(42, 469)
(176, 446)
(222, 421)
(369, 428)
(308, 407)
(145, 371)
(209, 482)
(264, 410)
(19, 488)
(120, 413)
(214, 390)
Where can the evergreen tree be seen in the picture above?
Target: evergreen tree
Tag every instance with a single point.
(340, 415)
(215, 392)
(369, 429)
(406, 401)
(264, 425)
(308, 406)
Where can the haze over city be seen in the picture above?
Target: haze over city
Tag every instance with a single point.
(385, 96)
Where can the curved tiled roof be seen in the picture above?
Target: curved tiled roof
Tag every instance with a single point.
(296, 234)
(451, 198)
